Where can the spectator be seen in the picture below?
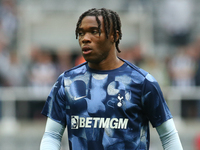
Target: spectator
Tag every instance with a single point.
(8, 19)
(4, 58)
(176, 18)
(42, 70)
(196, 56)
(197, 142)
(133, 54)
(64, 60)
(157, 69)
(79, 60)
(181, 69)
(16, 71)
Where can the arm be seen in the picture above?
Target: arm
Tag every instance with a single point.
(52, 137)
(169, 136)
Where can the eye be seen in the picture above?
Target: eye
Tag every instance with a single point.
(95, 32)
(80, 33)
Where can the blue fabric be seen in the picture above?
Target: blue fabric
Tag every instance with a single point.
(107, 110)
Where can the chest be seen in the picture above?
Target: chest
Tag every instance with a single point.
(103, 95)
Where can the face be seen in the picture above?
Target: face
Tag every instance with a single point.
(96, 48)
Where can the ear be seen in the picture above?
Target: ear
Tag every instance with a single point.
(117, 36)
(112, 38)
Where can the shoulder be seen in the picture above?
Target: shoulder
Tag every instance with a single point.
(136, 71)
(77, 70)
(139, 75)
(136, 68)
(82, 68)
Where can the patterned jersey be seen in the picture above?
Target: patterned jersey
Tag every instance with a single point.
(107, 110)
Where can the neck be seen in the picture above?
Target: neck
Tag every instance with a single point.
(107, 65)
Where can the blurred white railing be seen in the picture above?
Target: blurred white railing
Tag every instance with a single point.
(174, 96)
(9, 96)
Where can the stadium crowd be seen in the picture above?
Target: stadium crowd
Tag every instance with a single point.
(174, 23)
(180, 67)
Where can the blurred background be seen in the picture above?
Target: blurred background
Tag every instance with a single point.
(37, 43)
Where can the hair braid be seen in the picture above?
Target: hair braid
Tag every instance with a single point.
(119, 25)
(99, 22)
(79, 22)
(106, 21)
(116, 26)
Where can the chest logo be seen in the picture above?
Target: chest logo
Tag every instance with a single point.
(77, 98)
(120, 98)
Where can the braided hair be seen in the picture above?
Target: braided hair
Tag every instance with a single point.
(109, 17)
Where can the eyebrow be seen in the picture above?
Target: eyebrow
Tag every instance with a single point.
(90, 28)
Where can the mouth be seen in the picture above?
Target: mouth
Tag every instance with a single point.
(86, 50)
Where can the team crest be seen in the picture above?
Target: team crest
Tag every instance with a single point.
(120, 98)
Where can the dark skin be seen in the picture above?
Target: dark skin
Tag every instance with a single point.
(98, 51)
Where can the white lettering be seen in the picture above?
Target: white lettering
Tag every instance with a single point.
(113, 123)
(122, 123)
(82, 122)
(104, 124)
(95, 122)
(88, 122)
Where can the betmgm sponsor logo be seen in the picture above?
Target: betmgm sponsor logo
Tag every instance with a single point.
(97, 122)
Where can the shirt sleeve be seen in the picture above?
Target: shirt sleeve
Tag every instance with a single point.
(153, 102)
(55, 106)
(169, 136)
(51, 139)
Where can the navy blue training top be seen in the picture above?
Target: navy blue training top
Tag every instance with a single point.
(107, 110)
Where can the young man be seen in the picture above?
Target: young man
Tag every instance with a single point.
(106, 103)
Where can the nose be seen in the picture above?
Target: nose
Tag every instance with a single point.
(86, 38)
